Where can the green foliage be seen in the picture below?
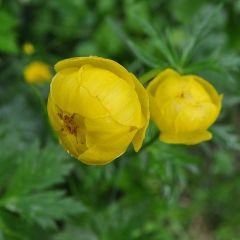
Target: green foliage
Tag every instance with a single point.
(28, 174)
(38, 175)
(163, 192)
(8, 37)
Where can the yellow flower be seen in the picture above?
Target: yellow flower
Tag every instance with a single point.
(28, 48)
(37, 72)
(97, 108)
(183, 107)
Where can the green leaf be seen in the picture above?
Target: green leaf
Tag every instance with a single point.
(150, 75)
(200, 27)
(209, 64)
(8, 42)
(142, 54)
(8, 20)
(71, 233)
(226, 136)
(34, 171)
(8, 152)
(230, 62)
(161, 40)
(38, 169)
(45, 207)
(224, 164)
(15, 228)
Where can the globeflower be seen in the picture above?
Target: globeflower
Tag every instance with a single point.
(37, 72)
(97, 108)
(28, 48)
(183, 107)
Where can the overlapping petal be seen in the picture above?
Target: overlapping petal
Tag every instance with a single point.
(98, 62)
(97, 109)
(71, 96)
(183, 107)
(145, 115)
(116, 95)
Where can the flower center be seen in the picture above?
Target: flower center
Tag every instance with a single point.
(185, 95)
(68, 122)
(74, 124)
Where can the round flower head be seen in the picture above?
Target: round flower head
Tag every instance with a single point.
(37, 72)
(97, 109)
(28, 48)
(183, 107)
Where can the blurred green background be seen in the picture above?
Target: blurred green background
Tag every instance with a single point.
(165, 192)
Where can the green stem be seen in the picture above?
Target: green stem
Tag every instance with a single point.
(146, 145)
(42, 102)
(150, 75)
(152, 140)
(40, 99)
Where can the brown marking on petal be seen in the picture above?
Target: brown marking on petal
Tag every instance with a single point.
(73, 124)
(60, 115)
(70, 124)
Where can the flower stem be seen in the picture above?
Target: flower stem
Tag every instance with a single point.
(42, 102)
(152, 140)
(149, 75)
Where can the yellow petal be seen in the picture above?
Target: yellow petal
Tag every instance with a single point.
(111, 104)
(98, 62)
(186, 138)
(105, 132)
(37, 72)
(74, 144)
(184, 88)
(115, 94)
(165, 115)
(154, 111)
(144, 100)
(166, 74)
(183, 107)
(105, 153)
(196, 117)
(71, 97)
(28, 48)
(70, 144)
(53, 115)
(216, 98)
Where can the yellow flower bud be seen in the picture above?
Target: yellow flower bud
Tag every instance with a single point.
(97, 108)
(28, 48)
(183, 107)
(37, 72)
